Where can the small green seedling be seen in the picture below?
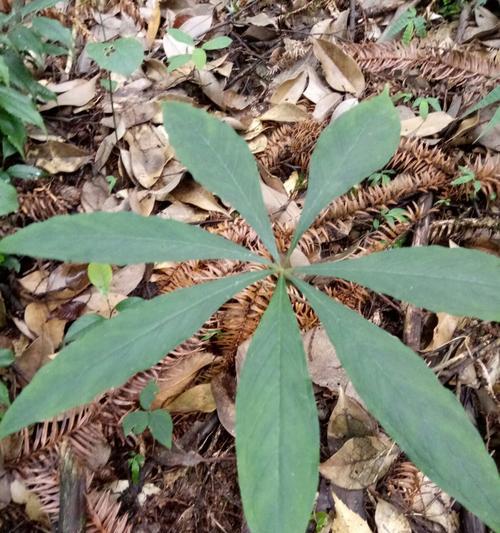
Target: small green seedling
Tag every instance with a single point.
(410, 24)
(199, 54)
(381, 178)
(158, 421)
(100, 275)
(423, 103)
(467, 175)
(135, 463)
(391, 216)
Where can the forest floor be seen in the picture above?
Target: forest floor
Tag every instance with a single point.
(290, 68)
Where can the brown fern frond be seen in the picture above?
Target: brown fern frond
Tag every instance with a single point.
(48, 200)
(405, 483)
(287, 55)
(103, 513)
(463, 230)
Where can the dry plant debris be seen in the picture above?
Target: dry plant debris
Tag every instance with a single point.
(288, 72)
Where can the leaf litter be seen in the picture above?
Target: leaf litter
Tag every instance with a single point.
(279, 85)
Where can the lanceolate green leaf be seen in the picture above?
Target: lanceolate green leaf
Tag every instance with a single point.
(358, 143)
(454, 280)
(423, 417)
(220, 160)
(20, 106)
(8, 198)
(108, 354)
(120, 239)
(277, 436)
(491, 98)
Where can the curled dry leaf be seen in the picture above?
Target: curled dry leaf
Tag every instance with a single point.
(347, 521)
(444, 331)
(361, 462)
(349, 419)
(191, 192)
(197, 399)
(290, 90)
(326, 105)
(75, 93)
(389, 519)
(285, 113)
(35, 356)
(180, 374)
(316, 89)
(184, 213)
(418, 127)
(54, 157)
(224, 392)
(340, 70)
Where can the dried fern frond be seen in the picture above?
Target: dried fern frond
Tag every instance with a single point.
(463, 230)
(287, 55)
(103, 512)
(48, 200)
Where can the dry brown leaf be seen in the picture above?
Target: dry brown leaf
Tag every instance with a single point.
(210, 86)
(316, 88)
(77, 93)
(433, 123)
(37, 317)
(170, 178)
(36, 355)
(54, 157)
(349, 419)
(141, 202)
(389, 520)
(224, 392)
(197, 399)
(360, 462)
(153, 24)
(290, 90)
(347, 521)
(233, 100)
(343, 107)
(126, 279)
(184, 213)
(180, 374)
(325, 106)
(340, 70)
(95, 194)
(444, 331)
(285, 113)
(191, 192)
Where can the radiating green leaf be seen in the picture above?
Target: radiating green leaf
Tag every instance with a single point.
(135, 422)
(52, 30)
(100, 275)
(20, 106)
(179, 61)
(220, 160)
(148, 394)
(277, 436)
(181, 36)
(120, 239)
(217, 43)
(8, 198)
(25, 172)
(199, 58)
(161, 427)
(82, 325)
(358, 143)
(454, 280)
(116, 349)
(491, 98)
(6, 357)
(125, 55)
(398, 25)
(423, 417)
(14, 130)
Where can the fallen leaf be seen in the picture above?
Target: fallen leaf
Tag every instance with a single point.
(35, 356)
(325, 106)
(285, 113)
(191, 192)
(349, 419)
(211, 87)
(290, 90)
(180, 374)
(361, 462)
(340, 70)
(197, 399)
(389, 520)
(79, 93)
(141, 202)
(418, 127)
(316, 89)
(126, 279)
(184, 213)
(347, 521)
(343, 107)
(54, 157)
(153, 24)
(224, 392)
(444, 331)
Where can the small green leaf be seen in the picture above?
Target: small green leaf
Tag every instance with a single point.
(20, 106)
(434, 103)
(116, 349)
(81, 326)
(6, 357)
(4, 72)
(100, 275)
(455, 280)
(220, 160)
(181, 36)
(217, 43)
(423, 108)
(161, 427)
(179, 61)
(424, 418)
(4, 394)
(494, 121)
(135, 422)
(120, 239)
(8, 199)
(358, 143)
(124, 56)
(14, 130)
(135, 464)
(52, 30)
(398, 25)
(25, 172)
(491, 98)
(408, 33)
(199, 58)
(148, 394)
(277, 435)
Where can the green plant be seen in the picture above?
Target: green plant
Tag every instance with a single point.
(467, 176)
(135, 463)
(6, 359)
(423, 103)
(277, 434)
(491, 98)
(391, 216)
(198, 55)
(158, 421)
(100, 275)
(25, 42)
(410, 24)
(381, 178)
